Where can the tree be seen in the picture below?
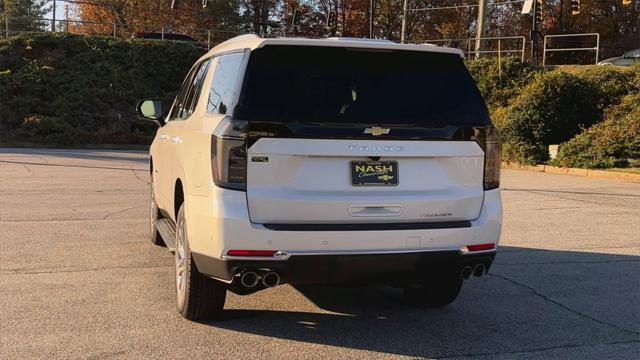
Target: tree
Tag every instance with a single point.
(618, 25)
(130, 16)
(25, 15)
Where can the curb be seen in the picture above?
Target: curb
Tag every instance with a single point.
(591, 173)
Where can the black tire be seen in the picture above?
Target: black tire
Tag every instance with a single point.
(201, 297)
(436, 291)
(154, 235)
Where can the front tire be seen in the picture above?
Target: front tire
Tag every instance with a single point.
(198, 296)
(436, 290)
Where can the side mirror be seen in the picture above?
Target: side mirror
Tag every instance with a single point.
(152, 110)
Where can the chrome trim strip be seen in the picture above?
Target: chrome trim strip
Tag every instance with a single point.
(285, 255)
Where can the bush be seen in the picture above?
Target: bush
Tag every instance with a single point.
(83, 89)
(499, 84)
(48, 130)
(552, 109)
(613, 83)
(614, 142)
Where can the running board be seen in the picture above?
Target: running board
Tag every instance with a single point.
(168, 232)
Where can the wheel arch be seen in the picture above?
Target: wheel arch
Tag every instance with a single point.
(178, 197)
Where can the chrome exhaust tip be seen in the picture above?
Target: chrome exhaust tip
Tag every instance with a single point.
(466, 272)
(271, 279)
(249, 279)
(479, 270)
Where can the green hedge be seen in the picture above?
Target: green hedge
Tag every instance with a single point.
(68, 89)
(556, 106)
(614, 142)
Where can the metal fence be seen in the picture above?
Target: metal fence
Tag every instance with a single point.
(499, 46)
(546, 49)
(492, 46)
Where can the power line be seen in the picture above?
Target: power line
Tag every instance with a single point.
(82, 2)
(405, 10)
(465, 6)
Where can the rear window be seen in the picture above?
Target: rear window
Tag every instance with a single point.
(359, 86)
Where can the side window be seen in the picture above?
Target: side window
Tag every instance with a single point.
(191, 100)
(187, 98)
(224, 79)
(177, 103)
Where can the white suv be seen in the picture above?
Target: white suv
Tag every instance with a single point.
(324, 161)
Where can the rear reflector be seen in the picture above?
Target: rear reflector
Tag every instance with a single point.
(252, 252)
(480, 247)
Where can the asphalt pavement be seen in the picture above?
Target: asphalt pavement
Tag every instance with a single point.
(80, 279)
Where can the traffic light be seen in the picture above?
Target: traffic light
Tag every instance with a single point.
(331, 19)
(296, 17)
(539, 4)
(575, 7)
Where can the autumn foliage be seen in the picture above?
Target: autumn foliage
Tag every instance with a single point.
(618, 25)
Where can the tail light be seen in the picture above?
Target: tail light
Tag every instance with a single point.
(229, 155)
(489, 140)
(481, 247)
(252, 252)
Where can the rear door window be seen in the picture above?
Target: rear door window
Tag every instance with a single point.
(198, 81)
(187, 97)
(190, 100)
(359, 86)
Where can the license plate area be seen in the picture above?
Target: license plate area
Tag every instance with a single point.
(374, 173)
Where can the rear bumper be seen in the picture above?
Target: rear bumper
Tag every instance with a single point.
(219, 223)
(394, 268)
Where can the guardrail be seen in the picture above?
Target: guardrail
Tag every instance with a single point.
(469, 48)
(545, 49)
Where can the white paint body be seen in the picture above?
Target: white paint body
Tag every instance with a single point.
(307, 181)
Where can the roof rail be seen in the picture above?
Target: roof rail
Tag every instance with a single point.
(239, 38)
(385, 41)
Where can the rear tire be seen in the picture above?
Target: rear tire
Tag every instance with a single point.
(154, 235)
(436, 291)
(198, 296)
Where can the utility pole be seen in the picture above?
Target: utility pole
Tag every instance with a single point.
(534, 31)
(66, 17)
(53, 19)
(480, 26)
(372, 4)
(6, 19)
(403, 30)
(344, 18)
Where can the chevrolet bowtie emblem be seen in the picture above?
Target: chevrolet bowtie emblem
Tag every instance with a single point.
(376, 131)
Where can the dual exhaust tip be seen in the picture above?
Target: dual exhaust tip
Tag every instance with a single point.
(477, 270)
(250, 279)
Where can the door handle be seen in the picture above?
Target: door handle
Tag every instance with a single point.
(164, 137)
(176, 139)
(375, 210)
